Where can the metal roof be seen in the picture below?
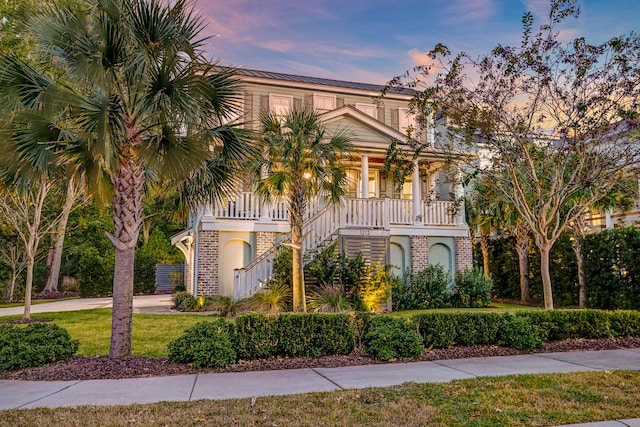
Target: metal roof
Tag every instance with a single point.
(320, 81)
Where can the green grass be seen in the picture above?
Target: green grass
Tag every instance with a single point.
(151, 332)
(518, 400)
(494, 308)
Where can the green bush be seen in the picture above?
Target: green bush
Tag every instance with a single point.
(34, 345)
(316, 334)
(443, 330)
(519, 332)
(95, 273)
(424, 289)
(391, 337)
(205, 344)
(612, 269)
(472, 289)
(263, 336)
(624, 323)
(563, 324)
(184, 301)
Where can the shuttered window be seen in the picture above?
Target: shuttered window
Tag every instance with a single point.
(368, 109)
(280, 105)
(323, 102)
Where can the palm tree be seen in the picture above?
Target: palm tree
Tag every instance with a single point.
(301, 161)
(138, 103)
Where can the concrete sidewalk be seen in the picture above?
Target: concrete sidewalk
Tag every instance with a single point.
(34, 394)
(156, 304)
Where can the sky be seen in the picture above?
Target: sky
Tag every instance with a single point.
(371, 41)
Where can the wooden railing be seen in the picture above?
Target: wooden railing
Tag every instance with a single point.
(255, 275)
(327, 220)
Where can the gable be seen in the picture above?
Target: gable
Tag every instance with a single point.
(362, 128)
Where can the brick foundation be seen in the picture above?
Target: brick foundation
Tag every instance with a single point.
(464, 255)
(265, 240)
(208, 261)
(419, 253)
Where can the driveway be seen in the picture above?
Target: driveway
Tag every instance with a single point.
(141, 304)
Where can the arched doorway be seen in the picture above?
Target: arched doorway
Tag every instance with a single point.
(236, 253)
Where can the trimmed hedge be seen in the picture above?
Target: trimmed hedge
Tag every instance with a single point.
(391, 337)
(442, 330)
(261, 336)
(206, 344)
(34, 345)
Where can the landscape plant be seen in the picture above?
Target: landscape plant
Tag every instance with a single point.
(36, 344)
(555, 118)
(139, 102)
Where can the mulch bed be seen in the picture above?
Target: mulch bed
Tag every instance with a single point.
(103, 367)
(24, 321)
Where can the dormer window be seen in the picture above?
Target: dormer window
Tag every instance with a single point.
(323, 102)
(368, 109)
(280, 105)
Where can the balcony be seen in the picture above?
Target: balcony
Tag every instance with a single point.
(370, 213)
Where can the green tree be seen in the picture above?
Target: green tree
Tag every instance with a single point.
(555, 119)
(301, 161)
(140, 104)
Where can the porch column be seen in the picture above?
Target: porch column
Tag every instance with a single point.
(415, 194)
(460, 220)
(265, 206)
(365, 177)
(608, 219)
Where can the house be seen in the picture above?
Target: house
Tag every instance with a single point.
(229, 247)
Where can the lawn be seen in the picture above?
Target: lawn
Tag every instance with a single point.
(151, 332)
(519, 400)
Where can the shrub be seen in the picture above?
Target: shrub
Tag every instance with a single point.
(313, 335)
(34, 345)
(471, 289)
(257, 336)
(205, 344)
(95, 273)
(184, 301)
(519, 332)
(563, 324)
(275, 298)
(624, 323)
(391, 337)
(263, 336)
(443, 330)
(328, 299)
(425, 289)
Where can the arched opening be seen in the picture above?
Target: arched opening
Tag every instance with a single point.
(441, 254)
(397, 259)
(236, 253)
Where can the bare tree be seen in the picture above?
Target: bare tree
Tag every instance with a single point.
(23, 211)
(554, 119)
(74, 196)
(13, 255)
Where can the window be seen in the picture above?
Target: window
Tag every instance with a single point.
(280, 105)
(406, 121)
(368, 109)
(324, 102)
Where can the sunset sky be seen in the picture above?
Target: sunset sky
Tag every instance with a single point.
(373, 40)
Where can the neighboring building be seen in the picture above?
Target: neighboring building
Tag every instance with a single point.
(229, 247)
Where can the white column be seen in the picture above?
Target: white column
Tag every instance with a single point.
(365, 177)
(415, 194)
(608, 219)
(460, 220)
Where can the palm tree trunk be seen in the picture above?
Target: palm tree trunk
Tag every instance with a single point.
(296, 215)
(545, 251)
(127, 218)
(484, 247)
(54, 272)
